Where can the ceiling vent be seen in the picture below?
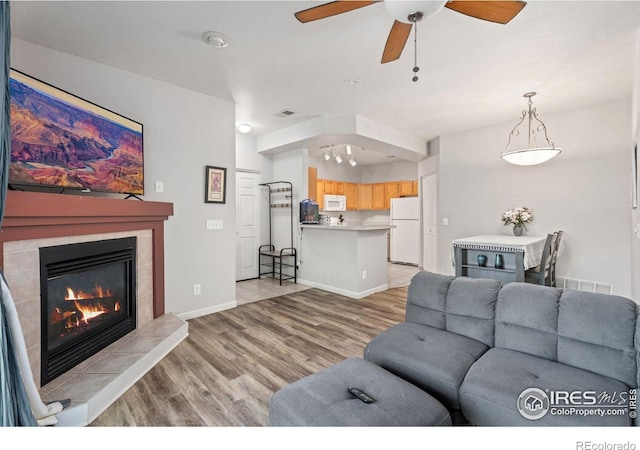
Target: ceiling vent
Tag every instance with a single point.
(286, 113)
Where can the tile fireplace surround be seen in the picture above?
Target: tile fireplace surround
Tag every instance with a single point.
(35, 220)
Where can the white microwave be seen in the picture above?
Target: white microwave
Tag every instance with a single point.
(335, 203)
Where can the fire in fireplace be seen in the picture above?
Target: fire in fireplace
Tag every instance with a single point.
(88, 294)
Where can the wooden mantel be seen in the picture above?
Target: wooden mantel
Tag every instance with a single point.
(37, 215)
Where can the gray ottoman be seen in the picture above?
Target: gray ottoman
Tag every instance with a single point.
(322, 399)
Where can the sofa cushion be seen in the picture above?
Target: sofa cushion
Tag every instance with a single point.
(426, 299)
(435, 360)
(596, 332)
(462, 305)
(527, 319)
(490, 391)
(471, 308)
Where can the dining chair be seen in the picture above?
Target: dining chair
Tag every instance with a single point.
(544, 273)
(554, 258)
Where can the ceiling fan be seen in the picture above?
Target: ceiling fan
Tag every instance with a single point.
(408, 13)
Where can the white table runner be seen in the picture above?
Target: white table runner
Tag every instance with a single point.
(532, 246)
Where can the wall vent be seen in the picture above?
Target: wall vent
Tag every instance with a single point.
(584, 285)
(286, 113)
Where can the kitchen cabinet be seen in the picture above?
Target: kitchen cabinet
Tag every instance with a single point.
(378, 196)
(361, 196)
(330, 187)
(391, 190)
(313, 183)
(365, 196)
(408, 188)
(351, 192)
(320, 194)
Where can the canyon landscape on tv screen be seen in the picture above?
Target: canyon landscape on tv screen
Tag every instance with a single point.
(60, 140)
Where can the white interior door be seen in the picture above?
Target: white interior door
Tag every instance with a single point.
(430, 222)
(248, 225)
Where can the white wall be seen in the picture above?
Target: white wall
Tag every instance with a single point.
(183, 132)
(635, 213)
(330, 170)
(377, 173)
(391, 171)
(248, 159)
(584, 191)
(291, 166)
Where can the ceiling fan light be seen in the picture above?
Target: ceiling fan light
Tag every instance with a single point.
(402, 9)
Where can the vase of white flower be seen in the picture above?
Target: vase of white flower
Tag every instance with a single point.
(518, 217)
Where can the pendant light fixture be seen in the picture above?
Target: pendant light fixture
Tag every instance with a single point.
(532, 154)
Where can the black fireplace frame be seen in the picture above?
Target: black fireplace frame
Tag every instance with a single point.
(84, 256)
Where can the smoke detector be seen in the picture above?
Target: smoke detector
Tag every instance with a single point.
(215, 39)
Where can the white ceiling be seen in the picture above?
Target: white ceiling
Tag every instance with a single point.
(472, 73)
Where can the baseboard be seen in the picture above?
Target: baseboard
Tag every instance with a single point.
(344, 292)
(205, 311)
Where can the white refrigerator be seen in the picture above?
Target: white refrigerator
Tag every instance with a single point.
(405, 230)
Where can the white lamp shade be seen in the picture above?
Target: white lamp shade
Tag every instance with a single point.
(401, 9)
(530, 156)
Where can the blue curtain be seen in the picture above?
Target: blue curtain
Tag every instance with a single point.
(15, 409)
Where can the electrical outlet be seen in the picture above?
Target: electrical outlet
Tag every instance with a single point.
(159, 187)
(364, 274)
(197, 290)
(445, 221)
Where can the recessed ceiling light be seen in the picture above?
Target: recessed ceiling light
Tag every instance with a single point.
(215, 39)
(244, 128)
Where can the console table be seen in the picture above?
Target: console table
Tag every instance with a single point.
(519, 253)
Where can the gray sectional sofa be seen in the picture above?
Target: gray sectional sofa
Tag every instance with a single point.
(518, 354)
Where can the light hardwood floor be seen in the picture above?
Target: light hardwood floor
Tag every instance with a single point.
(225, 371)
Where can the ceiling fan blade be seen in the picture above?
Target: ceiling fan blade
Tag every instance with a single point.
(493, 11)
(395, 42)
(331, 9)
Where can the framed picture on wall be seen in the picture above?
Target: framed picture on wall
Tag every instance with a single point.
(216, 184)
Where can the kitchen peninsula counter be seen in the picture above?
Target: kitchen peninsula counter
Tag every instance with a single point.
(349, 260)
(348, 227)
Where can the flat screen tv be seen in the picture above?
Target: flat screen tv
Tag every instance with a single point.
(61, 141)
